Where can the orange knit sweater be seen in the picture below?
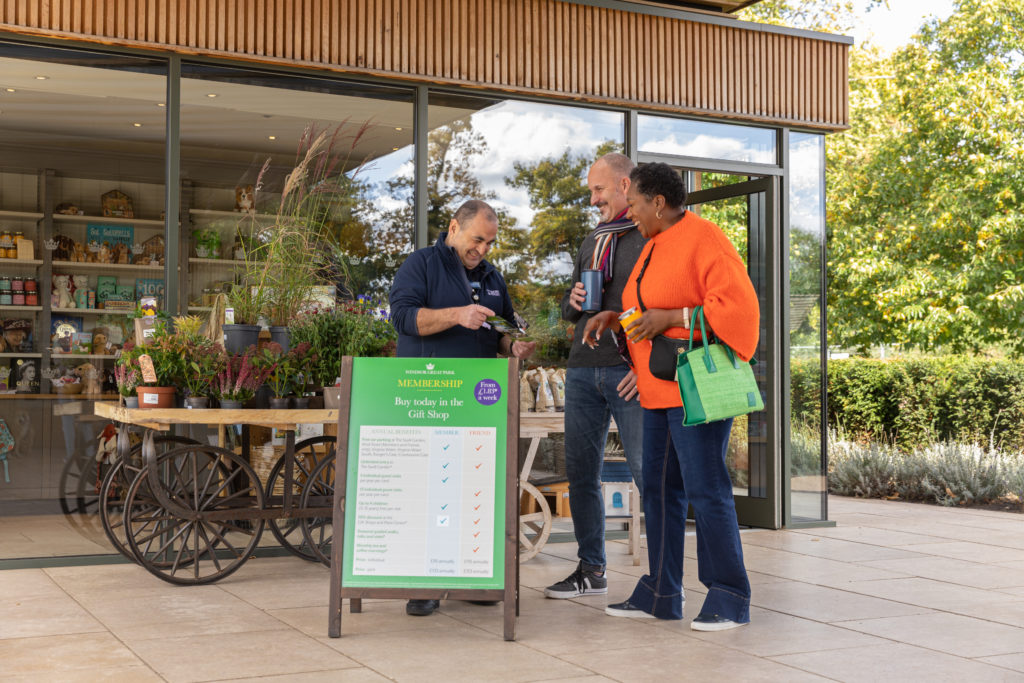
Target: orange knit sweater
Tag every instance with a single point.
(692, 263)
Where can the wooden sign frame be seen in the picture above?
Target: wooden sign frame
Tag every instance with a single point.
(509, 595)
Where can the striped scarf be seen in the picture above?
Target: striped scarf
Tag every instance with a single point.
(606, 235)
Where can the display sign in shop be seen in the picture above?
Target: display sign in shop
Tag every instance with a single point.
(425, 497)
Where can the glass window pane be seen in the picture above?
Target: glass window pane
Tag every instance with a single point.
(683, 137)
(242, 134)
(806, 235)
(82, 160)
(529, 161)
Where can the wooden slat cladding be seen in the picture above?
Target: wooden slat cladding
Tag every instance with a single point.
(536, 47)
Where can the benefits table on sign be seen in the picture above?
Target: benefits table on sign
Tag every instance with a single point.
(445, 528)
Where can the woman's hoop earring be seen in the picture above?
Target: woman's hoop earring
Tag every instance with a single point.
(659, 215)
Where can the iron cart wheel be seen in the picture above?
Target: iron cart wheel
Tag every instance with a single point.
(115, 485)
(288, 530)
(198, 531)
(534, 527)
(318, 532)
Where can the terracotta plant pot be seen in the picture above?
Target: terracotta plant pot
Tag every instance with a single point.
(156, 397)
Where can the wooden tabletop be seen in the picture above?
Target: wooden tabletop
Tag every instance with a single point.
(163, 418)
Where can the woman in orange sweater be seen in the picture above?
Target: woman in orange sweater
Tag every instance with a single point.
(687, 262)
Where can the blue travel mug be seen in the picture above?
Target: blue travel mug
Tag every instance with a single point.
(593, 282)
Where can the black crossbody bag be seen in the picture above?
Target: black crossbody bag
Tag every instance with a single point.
(664, 350)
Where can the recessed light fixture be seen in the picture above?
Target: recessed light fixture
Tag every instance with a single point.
(394, 149)
(41, 78)
(211, 94)
(271, 137)
(10, 89)
(398, 128)
(160, 104)
(137, 125)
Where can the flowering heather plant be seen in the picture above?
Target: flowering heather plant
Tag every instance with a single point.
(127, 378)
(240, 378)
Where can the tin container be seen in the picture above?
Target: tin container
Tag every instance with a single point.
(627, 318)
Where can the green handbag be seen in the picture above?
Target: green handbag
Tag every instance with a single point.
(713, 382)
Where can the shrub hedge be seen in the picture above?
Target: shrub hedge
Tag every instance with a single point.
(913, 402)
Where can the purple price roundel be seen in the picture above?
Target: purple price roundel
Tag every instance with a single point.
(487, 392)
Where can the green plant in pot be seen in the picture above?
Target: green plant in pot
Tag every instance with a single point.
(167, 352)
(278, 366)
(204, 359)
(304, 359)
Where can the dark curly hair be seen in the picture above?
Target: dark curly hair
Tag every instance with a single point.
(650, 180)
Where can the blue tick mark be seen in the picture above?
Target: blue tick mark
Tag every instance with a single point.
(444, 506)
(445, 480)
(445, 466)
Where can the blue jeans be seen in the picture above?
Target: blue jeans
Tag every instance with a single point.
(674, 454)
(590, 400)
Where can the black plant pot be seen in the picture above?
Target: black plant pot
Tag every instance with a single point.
(281, 335)
(279, 403)
(195, 402)
(237, 338)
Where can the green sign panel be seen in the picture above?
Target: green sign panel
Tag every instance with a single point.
(425, 495)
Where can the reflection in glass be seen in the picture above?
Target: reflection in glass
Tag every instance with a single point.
(75, 126)
(682, 137)
(242, 133)
(806, 236)
(530, 162)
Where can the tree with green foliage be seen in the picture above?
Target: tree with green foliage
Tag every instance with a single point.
(925, 191)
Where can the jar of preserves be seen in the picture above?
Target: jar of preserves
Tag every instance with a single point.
(18, 236)
(7, 244)
(18, 298)
(5, 298)
(17, 284)
(31, 285)
(31, 298)
(5, 284)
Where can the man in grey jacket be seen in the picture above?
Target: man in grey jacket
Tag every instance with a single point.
(598, 382)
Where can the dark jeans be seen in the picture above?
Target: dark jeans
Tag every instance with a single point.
(590, 401)
(674, 454)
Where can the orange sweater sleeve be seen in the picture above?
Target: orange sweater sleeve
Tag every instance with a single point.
(730, 302)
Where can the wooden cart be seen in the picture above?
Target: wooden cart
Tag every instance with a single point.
(192, 513)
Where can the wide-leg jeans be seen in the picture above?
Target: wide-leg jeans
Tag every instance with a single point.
(591, 399)
(686, 466)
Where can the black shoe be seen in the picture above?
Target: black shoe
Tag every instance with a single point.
(421, 608)
(586, 580)
(627, 609)
(712, 622)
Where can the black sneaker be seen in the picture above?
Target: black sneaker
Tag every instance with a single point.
(627, 609)
(712, 622)
(586, 580)
(421, 608)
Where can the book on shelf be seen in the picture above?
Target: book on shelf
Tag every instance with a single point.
(17, 335)
(24, 375)
(62, 331)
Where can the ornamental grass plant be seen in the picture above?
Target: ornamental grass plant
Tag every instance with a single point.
(289, 260)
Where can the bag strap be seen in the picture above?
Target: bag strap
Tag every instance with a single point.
(640, 276)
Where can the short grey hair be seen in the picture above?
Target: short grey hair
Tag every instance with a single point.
(620, 164)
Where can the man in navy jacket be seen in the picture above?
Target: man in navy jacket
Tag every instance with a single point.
(441, 298)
